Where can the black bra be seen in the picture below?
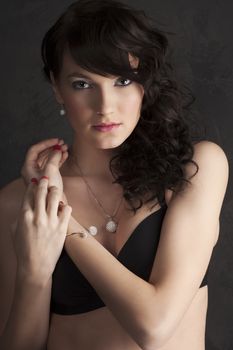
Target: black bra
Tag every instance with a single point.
(71, 291)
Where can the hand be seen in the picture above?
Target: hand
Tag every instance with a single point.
(37, 157)
(41, 161)
(38, 162)
(40, 232)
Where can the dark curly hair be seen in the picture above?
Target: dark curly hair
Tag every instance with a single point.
(99, 35)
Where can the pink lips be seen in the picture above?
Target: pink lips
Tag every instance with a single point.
(104, 124)
(106, 127)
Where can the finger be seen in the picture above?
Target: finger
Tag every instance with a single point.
(27, 172)
(28, 199)
(39, 147)
(65, 155)
(40, 197)
(61, 142)
(44, 153)
(53, 161)
(64, 148)
(53, 199)
(43, 157)
(64, 215)
(44, 161)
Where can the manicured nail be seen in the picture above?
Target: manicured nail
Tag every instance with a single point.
(44, 177)
(57, 148)
(34, 180)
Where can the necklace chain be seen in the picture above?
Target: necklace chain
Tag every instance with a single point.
(111, 225)
(98, 202)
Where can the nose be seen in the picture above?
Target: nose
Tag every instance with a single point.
(103, 113)
(104, 105)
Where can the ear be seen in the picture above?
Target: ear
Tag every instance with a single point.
(55, 88)
(133, 60)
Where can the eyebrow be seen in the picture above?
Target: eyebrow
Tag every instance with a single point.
(77, 74)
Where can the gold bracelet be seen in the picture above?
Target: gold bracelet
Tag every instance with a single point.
(82, 234)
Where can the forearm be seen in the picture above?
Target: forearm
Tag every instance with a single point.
(127, 296)
(28, 321)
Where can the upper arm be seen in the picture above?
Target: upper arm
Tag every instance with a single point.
(10, 201)
(188, 236)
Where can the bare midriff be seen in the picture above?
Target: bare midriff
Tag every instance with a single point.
(99, 330)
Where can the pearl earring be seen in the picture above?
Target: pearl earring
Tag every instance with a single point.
(62, 111)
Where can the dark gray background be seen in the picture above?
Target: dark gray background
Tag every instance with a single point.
(203, 56)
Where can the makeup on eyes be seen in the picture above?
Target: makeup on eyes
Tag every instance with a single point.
(79, 81)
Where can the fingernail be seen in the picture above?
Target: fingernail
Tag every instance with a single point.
(44, 177)
(56, 147)
(34, 180)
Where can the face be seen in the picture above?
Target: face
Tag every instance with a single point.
(116, 99)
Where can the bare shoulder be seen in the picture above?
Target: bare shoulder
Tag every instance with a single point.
(209, 153)
(213, 172)
(208, 156)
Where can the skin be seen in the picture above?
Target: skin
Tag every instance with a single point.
(108, 96)
(161, 312)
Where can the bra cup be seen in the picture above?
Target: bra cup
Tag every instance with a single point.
(71, 291)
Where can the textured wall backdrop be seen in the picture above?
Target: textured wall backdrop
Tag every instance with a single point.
(203, 56)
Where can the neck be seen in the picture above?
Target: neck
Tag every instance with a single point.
(93, 162)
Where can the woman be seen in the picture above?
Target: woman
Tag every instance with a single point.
(127, 269)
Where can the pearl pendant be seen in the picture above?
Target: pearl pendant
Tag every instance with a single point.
(111, 226)
(62, 112)
(93, 230)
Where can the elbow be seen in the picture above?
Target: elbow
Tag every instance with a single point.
(150, 343)
(153, 339)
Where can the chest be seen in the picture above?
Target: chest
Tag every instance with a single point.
(88, 212)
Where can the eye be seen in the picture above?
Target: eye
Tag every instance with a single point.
(124, 79)
(78, 85)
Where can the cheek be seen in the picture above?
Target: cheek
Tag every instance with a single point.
(74, 104)
(132, 103)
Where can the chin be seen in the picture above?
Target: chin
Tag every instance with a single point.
(110, 144)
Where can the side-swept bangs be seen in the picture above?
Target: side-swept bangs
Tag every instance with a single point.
(100, 35)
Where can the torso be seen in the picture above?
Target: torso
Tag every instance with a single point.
(98, 329)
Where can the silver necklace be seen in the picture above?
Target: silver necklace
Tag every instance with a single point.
(112, 224)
